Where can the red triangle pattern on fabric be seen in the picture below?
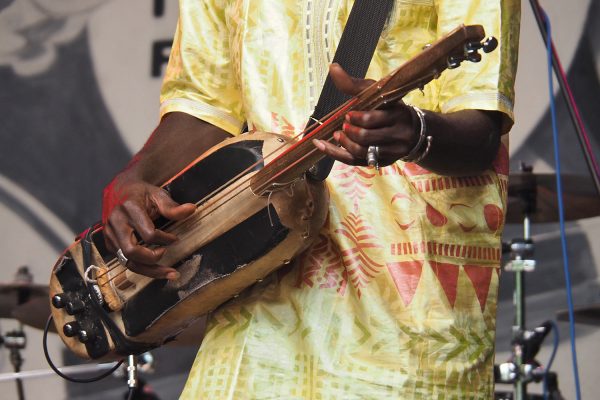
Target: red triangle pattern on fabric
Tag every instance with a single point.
(406, 276)
(480, 277)
(447, 274)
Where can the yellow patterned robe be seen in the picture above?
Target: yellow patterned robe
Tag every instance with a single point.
(397, 298)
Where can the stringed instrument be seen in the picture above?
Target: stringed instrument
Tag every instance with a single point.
(256, 211)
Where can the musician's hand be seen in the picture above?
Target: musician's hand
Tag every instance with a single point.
(391, 128)
(130, 206)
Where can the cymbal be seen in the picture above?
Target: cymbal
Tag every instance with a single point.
(12, 293)
(589, 315)
(34, 313)
(580, 198)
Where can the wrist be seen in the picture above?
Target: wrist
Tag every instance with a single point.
(423, 141)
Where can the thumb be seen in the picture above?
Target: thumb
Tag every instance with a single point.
(170, 209)
(345, 83)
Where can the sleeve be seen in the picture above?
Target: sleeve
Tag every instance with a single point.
(489, 84)
(200, 78)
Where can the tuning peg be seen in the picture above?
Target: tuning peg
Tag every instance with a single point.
(474, 57)
(74, 306)
(472, 48)
(489, 44)
(59, 300)
(471, 51)
(71, 329)
(454, 62)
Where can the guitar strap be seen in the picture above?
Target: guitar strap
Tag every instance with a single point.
(354, 53)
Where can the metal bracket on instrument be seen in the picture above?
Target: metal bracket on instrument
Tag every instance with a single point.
(89, 276)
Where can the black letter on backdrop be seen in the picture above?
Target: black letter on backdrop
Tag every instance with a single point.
(159, 8)
(160, 56)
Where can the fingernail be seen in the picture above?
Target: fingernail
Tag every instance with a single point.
(348, 117)
(173, 275)
(345, 126)
(318, 144)
(337, 135)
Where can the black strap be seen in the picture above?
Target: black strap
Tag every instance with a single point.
(354, 54)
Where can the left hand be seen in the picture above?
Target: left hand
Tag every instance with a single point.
(390, 128)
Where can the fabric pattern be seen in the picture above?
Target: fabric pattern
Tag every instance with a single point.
(397, 298)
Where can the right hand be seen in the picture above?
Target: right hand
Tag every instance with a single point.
(129, 206)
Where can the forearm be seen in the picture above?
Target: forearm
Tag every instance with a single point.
(132, 201)
(463, 143)
(179, 139)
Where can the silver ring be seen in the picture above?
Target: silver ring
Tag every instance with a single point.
(121, 257)
(373, 156)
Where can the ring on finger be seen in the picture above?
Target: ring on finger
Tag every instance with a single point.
(122, 258)
(373, 156)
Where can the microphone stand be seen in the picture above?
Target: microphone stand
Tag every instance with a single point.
(573, 112)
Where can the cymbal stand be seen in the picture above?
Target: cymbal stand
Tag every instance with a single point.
(523, 368)
(15, 341)
(522, 261)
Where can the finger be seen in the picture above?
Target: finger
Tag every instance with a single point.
(337, 153)
(141, 259)
(366, 137)
(390, 153)
(358, 151)
(380, 118)
(124, 238)
(145, 227)
(109, 239)
(139, 254)
(346, 83)
(153, 271)
(169, 208)
(118, 228)
(386, 154)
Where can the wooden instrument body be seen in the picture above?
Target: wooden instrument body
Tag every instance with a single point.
(235, 238)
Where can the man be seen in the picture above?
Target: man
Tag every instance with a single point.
(397, 298)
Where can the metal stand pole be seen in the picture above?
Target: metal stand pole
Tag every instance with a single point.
(521, 262)
(15, 341)
(16, 360)
(519, 325)
(132, 376)
(575, 117)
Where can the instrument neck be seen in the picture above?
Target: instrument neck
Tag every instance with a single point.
(300, 157)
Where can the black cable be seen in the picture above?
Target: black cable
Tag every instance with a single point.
(551, 360)
(130, 393)
(69, 378)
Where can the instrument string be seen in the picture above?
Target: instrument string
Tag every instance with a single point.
(236, 186)
(219, 202)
